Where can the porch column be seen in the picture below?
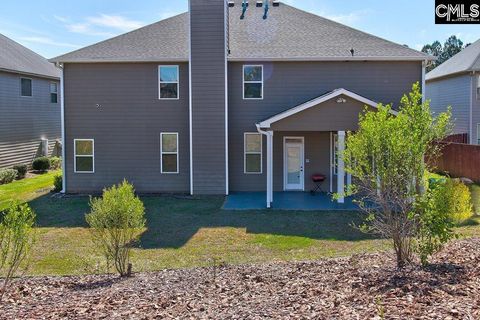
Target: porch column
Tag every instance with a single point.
(341, 167)
(269, 168)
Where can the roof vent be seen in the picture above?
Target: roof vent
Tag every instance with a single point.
(259, 3)
(244, 9)
(276, 3)
(352, 51)
(231, 4)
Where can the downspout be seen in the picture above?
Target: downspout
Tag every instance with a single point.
(269, 135)
(470, 138)
(62, 116)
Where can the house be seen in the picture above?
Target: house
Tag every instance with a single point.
(456, 83)
(30, 121)
(225, 98)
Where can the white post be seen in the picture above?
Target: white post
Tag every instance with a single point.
(62, 119)
(269, 168)
(341, 167)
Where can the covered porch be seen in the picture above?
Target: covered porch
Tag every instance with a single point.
(305, 141)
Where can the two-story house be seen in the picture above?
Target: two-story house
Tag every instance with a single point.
(30, 121)
(225, 98)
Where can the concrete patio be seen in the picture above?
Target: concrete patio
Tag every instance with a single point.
(286, 201)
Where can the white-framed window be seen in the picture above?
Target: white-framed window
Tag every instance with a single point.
(478, 88)
(252, 82)
(53, 92)
(25, 87)
(169, 152)
(84, 151)
(168, 82)
(253, 153)
(478, 133)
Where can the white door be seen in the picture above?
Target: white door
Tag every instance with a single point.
(293, 163)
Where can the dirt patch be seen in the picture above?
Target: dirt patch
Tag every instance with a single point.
(359, 287)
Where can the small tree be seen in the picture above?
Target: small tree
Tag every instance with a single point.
(116, 221)
(16, 240)
(386, 158)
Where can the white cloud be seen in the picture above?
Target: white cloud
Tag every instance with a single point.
(103, 25)
(114, 22)
(49, 41)
(168, 14)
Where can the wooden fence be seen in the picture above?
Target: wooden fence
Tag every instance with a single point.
(460, 160)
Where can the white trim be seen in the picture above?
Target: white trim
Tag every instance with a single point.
(62, 116)
(245, 134)
(190, 100)
(168, 152)
(302, 160)
(31, 87)
(267, 123)
(341, 168)
(75, 156)
(227, 28)
(478, 132)
(169, 82)
(269, 194)
(470, 134)
(256, 81)
(56, 86)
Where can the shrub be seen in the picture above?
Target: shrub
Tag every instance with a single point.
(16, 240)
(57, 183)
(116, 221)
(22, 170)
(455, 198)
(7, 175)
(41, 164)
(55, 163)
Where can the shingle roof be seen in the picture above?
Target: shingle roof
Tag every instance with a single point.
(15, 57)
(287, 34)
(466, 60)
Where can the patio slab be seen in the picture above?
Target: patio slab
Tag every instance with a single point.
(302, 201)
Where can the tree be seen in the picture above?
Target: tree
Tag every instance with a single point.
(386, 158)
(16, 240)
(451, 47)
(116, 221)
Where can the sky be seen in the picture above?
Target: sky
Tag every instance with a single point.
(53, 27)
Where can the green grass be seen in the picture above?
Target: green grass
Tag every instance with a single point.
(475, 191)
(26, 189)
(184, 232)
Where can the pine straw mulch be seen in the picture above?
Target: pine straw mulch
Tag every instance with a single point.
(359, 287)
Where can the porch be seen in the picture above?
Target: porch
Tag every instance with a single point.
(301, 201)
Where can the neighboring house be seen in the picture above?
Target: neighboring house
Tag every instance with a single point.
(209, 103)
(456, 83)
(30, 120)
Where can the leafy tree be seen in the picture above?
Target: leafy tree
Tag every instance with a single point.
(16, 240)
(116, 221)
(451, 47)
(386, 158)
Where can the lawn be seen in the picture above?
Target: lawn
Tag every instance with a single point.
(185, 232)
(26, 189)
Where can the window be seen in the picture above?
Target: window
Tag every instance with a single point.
(168, 82)
(478, 133)
(252, 82)
(53, 92)
(169, 152)
(253, 153)
(478, 88)
(26, 87)
(84, 156)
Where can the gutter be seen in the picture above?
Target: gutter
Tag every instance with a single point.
(62, 115)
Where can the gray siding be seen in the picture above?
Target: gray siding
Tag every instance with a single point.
(288, 84)
(126, 126)
(24, 121)
(475, 109)
(208, 72)
(454, 92)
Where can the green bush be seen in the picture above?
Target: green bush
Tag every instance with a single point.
(456, 198)
(57, 183)
(41, 164)
(55, 163)
(7, 175)
(116, 221)
(16, 240)
(22, 170)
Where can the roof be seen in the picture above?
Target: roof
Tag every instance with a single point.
(315, 102)
(287, 34)
(466, 60)
(16, 58)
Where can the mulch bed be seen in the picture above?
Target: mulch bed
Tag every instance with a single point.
(359, 287)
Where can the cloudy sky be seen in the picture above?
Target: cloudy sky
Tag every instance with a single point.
(53, 27)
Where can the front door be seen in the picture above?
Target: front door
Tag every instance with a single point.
(293, 163)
